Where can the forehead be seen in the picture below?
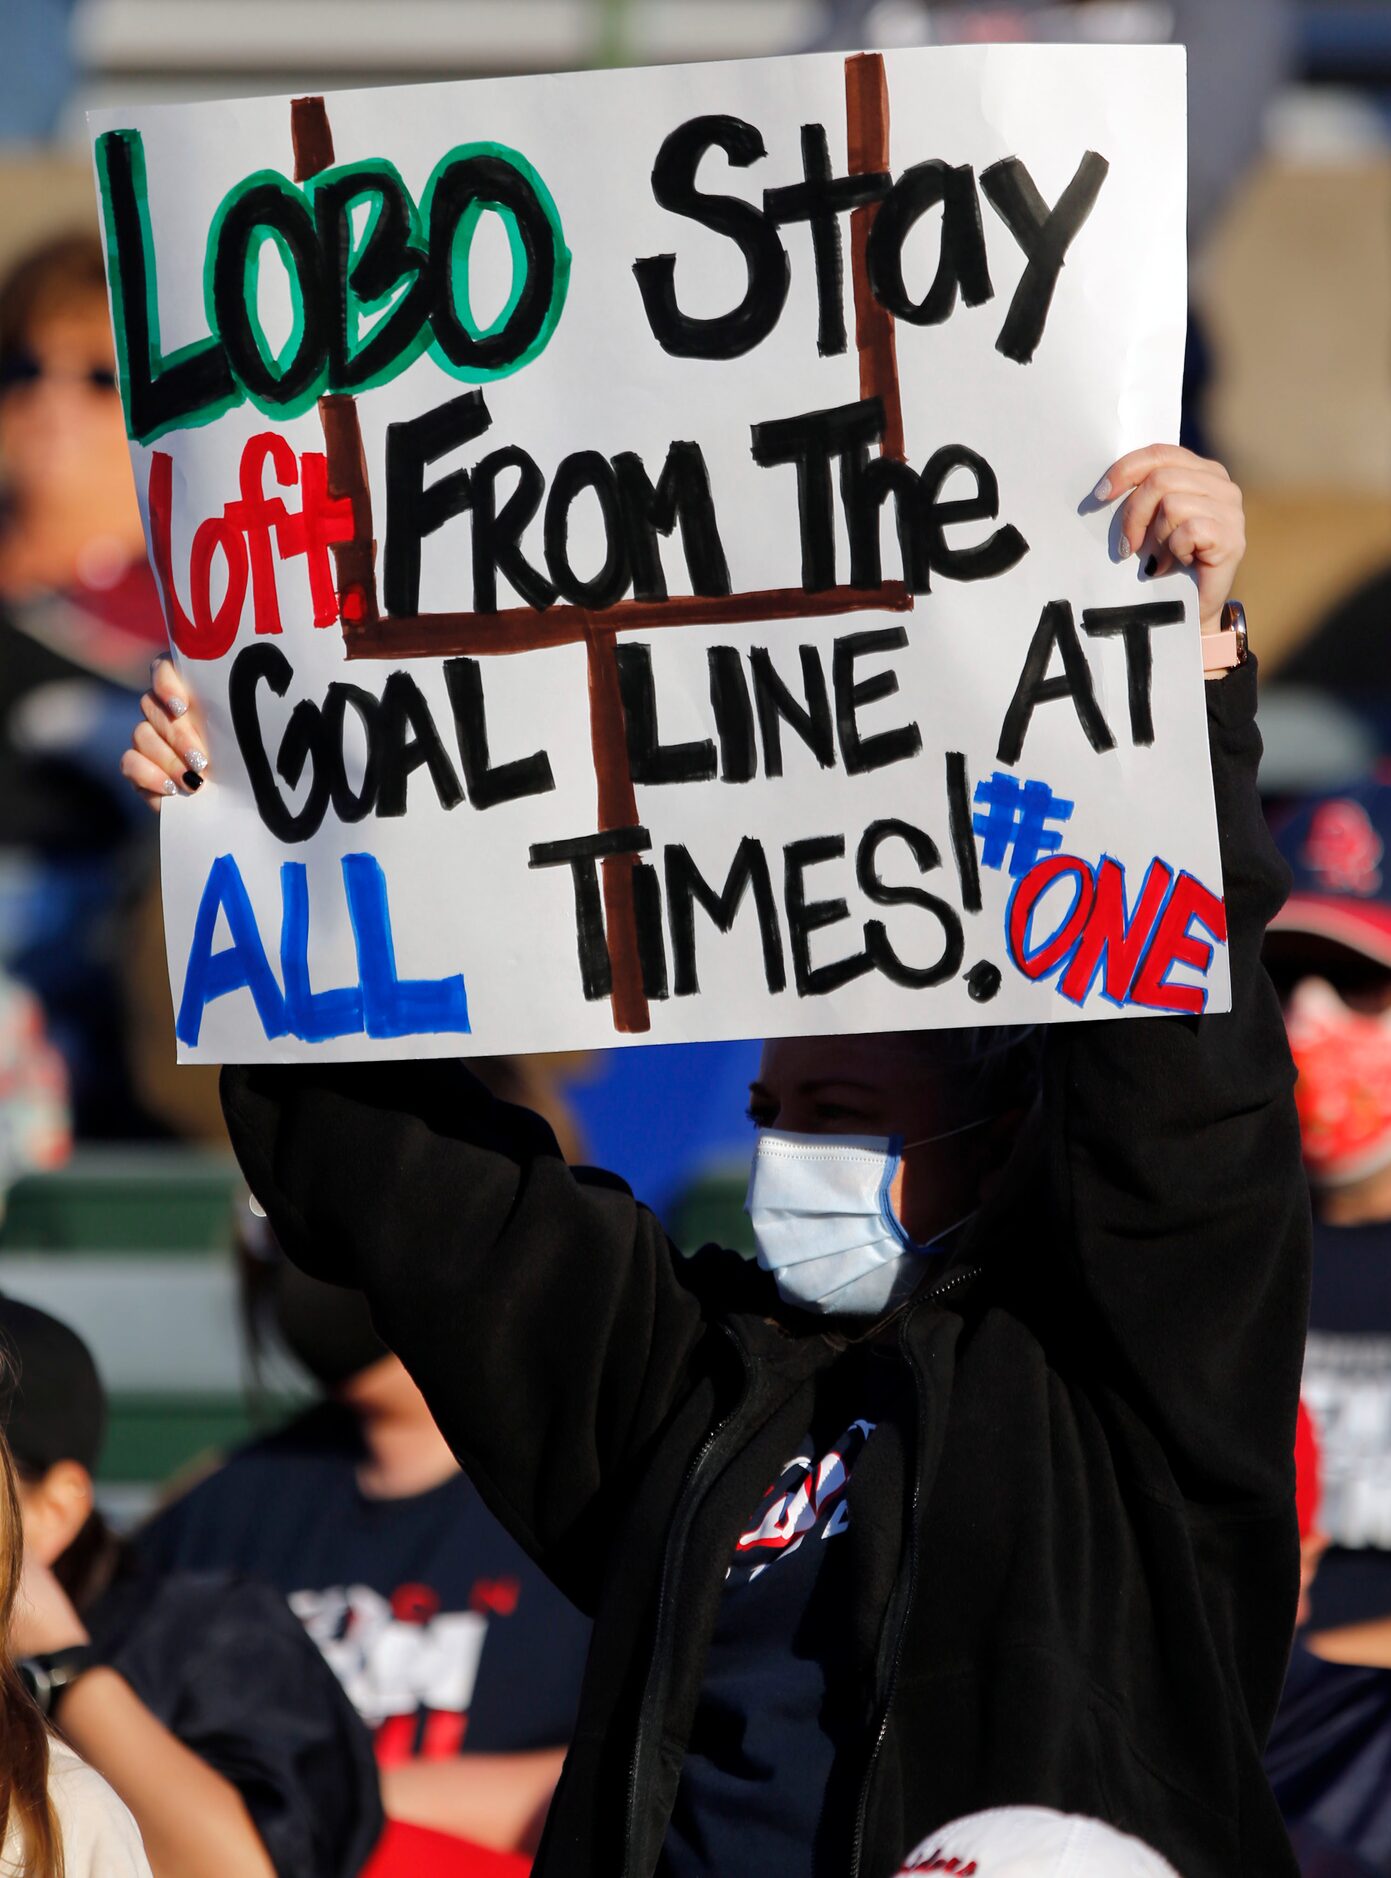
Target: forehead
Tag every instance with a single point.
(77, 328)
(892, 1064)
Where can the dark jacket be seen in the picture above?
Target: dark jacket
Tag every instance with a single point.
(229, 1669)
(1076, 1565)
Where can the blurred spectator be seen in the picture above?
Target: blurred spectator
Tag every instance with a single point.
(79, 620)
(459, 1654)
(1329, 951)
(1329, 1755)
(198, 1698)
(71, 522)
(58, 1817)
(35, 1127)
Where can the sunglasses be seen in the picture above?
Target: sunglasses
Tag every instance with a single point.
(22, 368)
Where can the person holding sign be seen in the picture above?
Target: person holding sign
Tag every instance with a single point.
(977, 1491)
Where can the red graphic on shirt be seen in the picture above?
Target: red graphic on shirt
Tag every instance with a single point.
(498, 1595)
(409, 1667)
(414, 1604)
(806, 1497)
(1344, 849)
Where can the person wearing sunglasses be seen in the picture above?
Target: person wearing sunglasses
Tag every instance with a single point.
(1329, 954)
(69, 519)
(79, 621)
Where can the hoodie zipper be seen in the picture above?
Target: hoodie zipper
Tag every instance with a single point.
(686, 1505)
(908, 1577)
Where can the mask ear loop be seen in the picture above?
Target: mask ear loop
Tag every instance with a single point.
(949, 1134)
(898, 1147)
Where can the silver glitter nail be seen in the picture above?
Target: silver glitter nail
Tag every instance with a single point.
(171, 788)
(196, 761)
(176, 707)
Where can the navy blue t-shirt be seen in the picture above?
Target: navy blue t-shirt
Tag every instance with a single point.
(781, 1703)
(445, 1635)
(1329, 1762)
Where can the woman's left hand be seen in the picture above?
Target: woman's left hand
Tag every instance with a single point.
(1180, 510)
(44, 1619)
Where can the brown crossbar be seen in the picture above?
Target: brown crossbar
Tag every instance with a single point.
(370, 634)
(519, 629)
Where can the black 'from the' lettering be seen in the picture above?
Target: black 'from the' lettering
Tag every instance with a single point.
(413, 510)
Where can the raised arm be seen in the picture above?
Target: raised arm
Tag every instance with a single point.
(1175, 1164)
(1174, 1147)
(540, 1312)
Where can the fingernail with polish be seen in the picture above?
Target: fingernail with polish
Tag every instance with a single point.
(171, 788)
(1123, 549)
(1151, 567)
(191, 781)
(196, 760)
(175, 707)
(1102, 492)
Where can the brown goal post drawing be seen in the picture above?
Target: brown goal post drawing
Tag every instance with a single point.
(368, 633)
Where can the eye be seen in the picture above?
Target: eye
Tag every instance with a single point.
(840, 1112)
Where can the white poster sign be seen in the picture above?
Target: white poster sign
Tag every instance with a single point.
(630, 538)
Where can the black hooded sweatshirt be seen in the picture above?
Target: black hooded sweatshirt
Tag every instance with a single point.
(1074, 1555)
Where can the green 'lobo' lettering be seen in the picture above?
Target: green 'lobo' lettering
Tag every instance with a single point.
(365, 300)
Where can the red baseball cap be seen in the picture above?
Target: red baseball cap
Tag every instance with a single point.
(1339, 850)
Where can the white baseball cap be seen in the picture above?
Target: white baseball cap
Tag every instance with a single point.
(1033, 1842)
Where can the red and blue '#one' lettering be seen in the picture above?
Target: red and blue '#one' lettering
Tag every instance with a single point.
(1100, 940)
(1097, 939)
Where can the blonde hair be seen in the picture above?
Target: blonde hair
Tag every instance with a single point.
(23, 1731)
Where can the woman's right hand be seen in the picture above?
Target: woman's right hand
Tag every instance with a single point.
(168, 752)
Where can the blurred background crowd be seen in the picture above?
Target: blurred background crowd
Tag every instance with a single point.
(122, 1220)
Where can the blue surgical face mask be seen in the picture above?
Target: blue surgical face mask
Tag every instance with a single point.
(824, 1224)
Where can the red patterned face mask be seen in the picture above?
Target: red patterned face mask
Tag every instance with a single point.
(1344, 1090)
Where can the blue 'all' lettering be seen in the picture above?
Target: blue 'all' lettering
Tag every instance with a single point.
(381, 1004)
